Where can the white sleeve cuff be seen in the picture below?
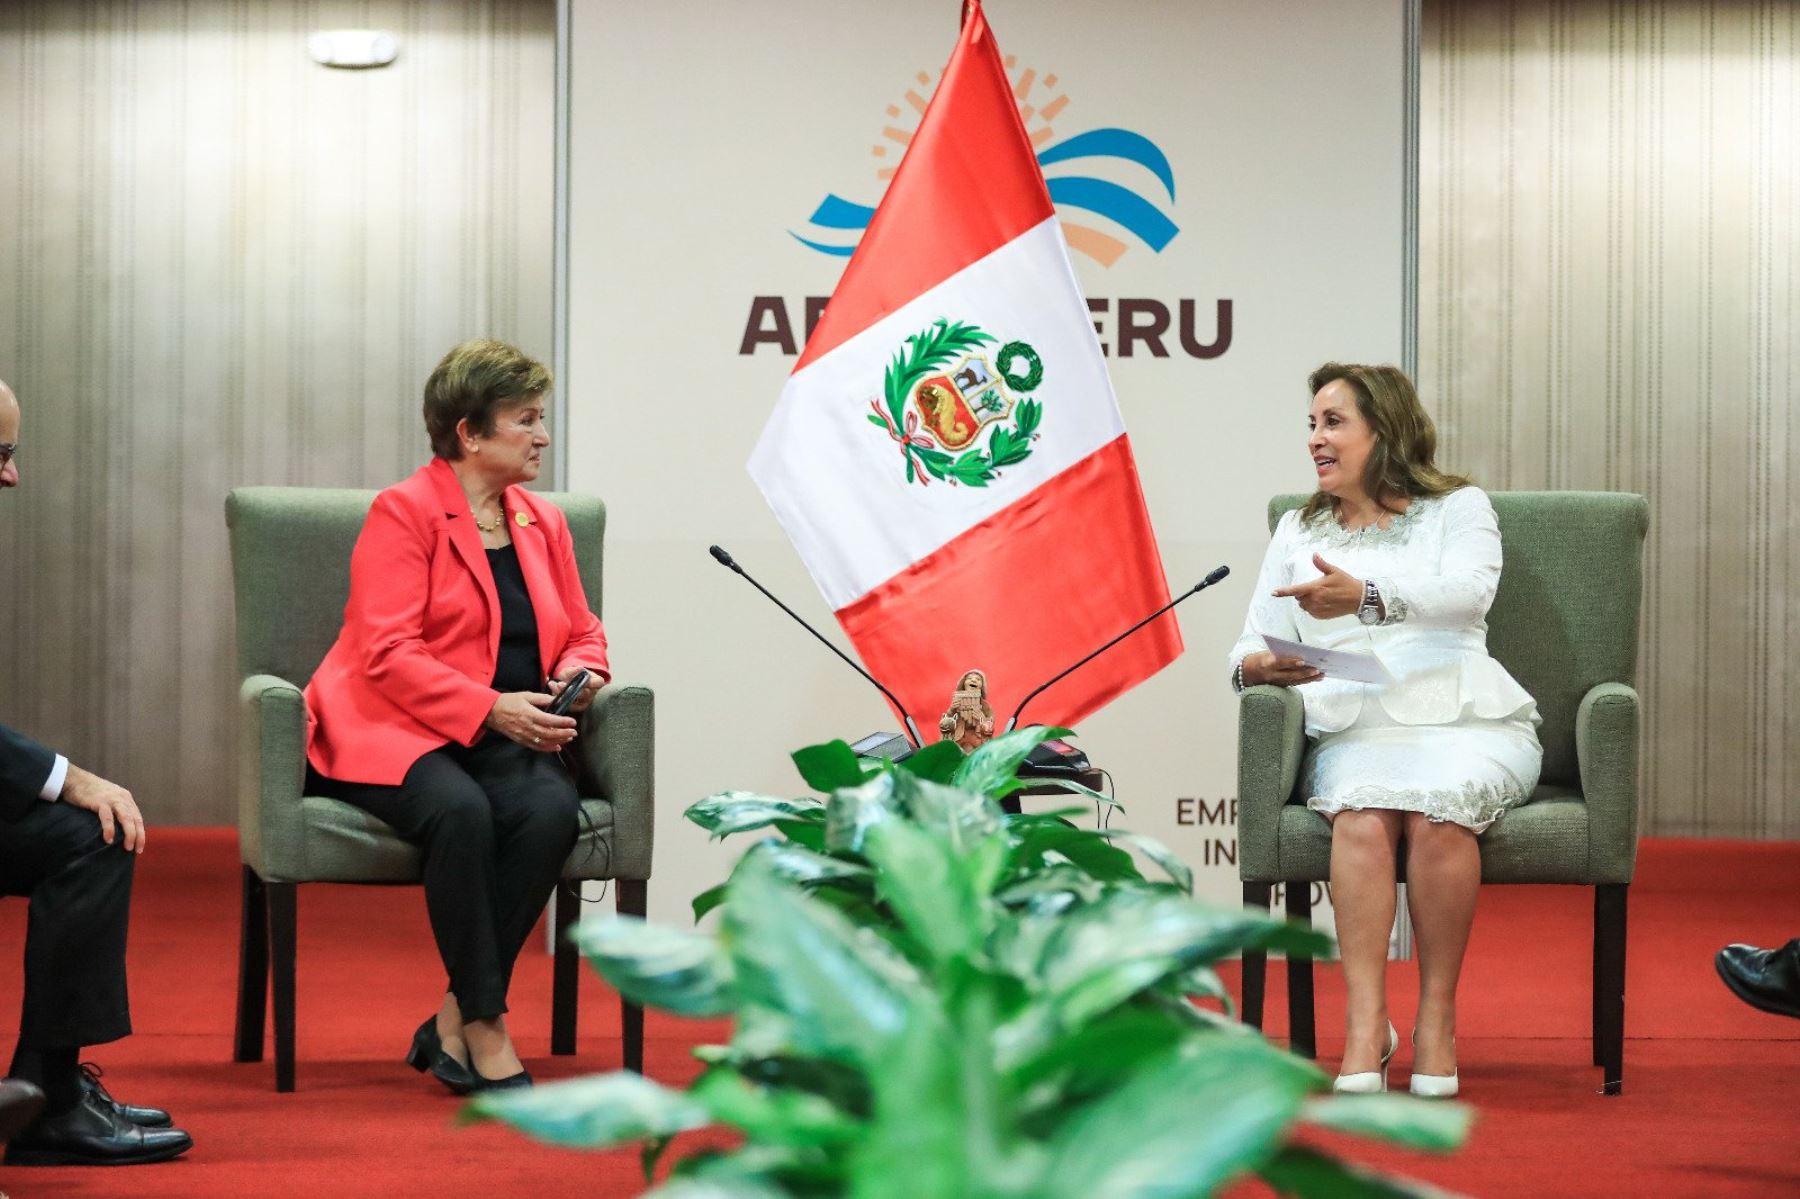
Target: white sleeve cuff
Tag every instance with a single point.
(59, 772)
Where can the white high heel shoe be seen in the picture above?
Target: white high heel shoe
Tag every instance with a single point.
(1432, 1086)
(1369, 1082)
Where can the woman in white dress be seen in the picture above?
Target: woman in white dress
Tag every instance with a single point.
(1394, 558)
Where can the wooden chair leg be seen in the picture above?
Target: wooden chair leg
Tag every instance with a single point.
(1301, 1037)
(283, 916)
(1256, 961)
(253, 970)
(1599, 989)
(1609, 941)
(632, 898)
(565, 987)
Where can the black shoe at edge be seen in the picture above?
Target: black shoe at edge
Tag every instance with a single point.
(93, 1133)
(1763, 978)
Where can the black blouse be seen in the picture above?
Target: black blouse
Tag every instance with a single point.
(518, 668)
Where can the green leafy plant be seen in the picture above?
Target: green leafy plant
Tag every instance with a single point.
(932, 998)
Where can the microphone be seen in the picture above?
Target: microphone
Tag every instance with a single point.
(726, 560)
(1214, 576)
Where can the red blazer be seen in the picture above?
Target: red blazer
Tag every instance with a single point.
(411, 669)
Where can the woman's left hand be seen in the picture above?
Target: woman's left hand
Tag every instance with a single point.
(587, 693)
(1331, 595)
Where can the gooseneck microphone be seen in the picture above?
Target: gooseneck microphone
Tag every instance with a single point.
(1202, 585)
(912, 730)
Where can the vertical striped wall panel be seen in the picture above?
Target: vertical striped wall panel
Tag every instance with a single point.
(223, 264)
(1607, 266)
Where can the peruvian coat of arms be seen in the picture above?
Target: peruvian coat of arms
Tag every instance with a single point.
(959, 412)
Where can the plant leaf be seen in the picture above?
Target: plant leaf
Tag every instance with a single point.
(1309, 1174)
(731, 812)
(1071, 786)
(1157, 852)
(1205, 982)
(997, 763)
(591, 1113)
(1144, 1138)
(772, 1115)
(919, 1140)
(807, 833)
(1051, 889)
(852, 811)
(678, 970)
(1106, 952)
(707, 900)
(964, 818)
(798, 864)
(1087, 849)
(1106, 1050)
(936, 892)
(937, 762)
(832, 765)
(1416, 1123)
(833, 989)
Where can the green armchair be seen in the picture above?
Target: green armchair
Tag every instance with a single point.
(1565, 623)
(290, 557)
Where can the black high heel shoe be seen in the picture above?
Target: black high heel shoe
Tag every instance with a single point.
(427, 1055)
(512, 1082)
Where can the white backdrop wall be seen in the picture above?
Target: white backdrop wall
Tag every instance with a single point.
(701, 139)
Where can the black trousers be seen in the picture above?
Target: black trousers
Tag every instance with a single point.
(80, 890)
(496, 823)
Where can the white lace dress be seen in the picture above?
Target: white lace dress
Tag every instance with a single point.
(1454, 735)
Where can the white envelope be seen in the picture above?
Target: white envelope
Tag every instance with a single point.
(1332, 663)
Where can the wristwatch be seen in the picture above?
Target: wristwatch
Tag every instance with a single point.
(1369, 611)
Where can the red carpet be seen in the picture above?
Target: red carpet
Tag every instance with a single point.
(1712, 1088)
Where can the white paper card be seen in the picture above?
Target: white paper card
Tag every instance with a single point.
(1332, 663)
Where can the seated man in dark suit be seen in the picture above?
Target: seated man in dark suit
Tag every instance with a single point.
(68, 840)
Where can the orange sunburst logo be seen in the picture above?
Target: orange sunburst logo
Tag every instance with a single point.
(1042, 102)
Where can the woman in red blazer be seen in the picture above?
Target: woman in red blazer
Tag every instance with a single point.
(466, 618)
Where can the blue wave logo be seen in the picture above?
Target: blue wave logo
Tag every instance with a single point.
(837, 224)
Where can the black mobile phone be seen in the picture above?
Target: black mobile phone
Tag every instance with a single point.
(569, 694)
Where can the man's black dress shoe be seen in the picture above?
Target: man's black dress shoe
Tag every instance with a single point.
(20, 1103)
(1763, 978)
(93, 1133)
(427, 1054)
(143, 1117)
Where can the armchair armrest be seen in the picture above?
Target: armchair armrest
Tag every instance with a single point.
(618, 757)
(1606, 752)
(1271, 740)
(271, 776)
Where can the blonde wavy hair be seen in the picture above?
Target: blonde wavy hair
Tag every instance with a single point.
(1400, 463)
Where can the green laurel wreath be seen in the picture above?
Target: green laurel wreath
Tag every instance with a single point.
(1034, 366)
(923, 353)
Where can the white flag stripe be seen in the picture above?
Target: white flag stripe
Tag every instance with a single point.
(837, 483)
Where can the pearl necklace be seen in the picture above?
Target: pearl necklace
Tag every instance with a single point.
(499, 521)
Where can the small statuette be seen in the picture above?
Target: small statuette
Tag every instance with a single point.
(970, 719)
(522, 519)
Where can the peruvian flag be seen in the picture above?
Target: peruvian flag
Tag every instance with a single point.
(948, 456)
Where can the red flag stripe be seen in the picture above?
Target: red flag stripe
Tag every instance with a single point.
(965, 188)
(1032, 589)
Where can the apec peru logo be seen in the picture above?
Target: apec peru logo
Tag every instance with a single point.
(1114, 193)
(1078, 194)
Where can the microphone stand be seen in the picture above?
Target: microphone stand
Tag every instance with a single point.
(1202, 585)
(912, 730)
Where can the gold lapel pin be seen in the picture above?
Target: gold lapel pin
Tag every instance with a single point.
(522, 519)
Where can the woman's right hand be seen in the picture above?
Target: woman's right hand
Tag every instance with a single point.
(1266, 668)
(519, 716)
